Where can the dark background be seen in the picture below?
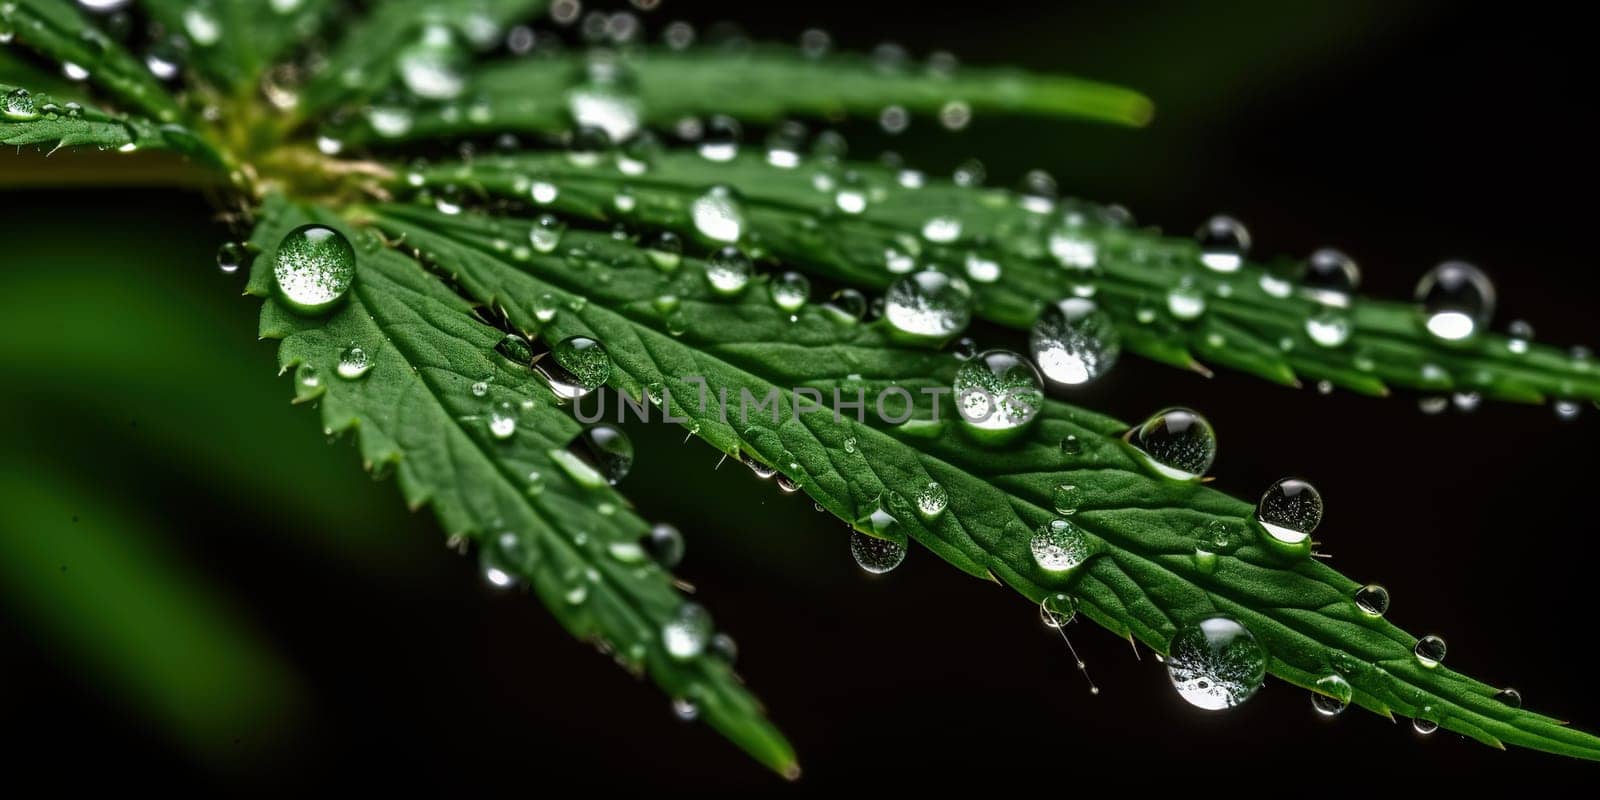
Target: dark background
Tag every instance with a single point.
(1404, 133)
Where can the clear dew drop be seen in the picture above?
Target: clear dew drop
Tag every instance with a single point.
(601, 454)
(724, 648)
(1373, 600)
(686, 635)
(1521, 333)
(720, 142)
(718, 215)
(876, 555)
(1330, 276)
(1216, 663)
(728, 271)
(1457, 300)
(19, 105)
(1328, 328)
(1429, 651)
(1566, 410)
(1510, 697)
(576, 366)
(503, 420)
(1176, 443)
(665, 250)
(516, 349)
(1074, 342)
(1332, 695)
(232, 257)
(685, 709)
(501, 559)
(847, 305)
(942, 230)
(433, 67)
(354, 363)
(928, 305)
(314, 269)
(932, 500)
(1290, 510)
(790, 291)
(1424, 726)
(1059, 546)
(201, 26)
(545, 235)
(1066, 498)
(998, 393)
(1185, 301)
(665, 545)
(1224, 242)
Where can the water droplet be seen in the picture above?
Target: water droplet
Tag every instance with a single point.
(1457, 300)
(685, 635)
(1066, 498)
(1521, 333)
(724, 648)
(998, 393)
(665, 250)
(1373, 600)
(1328, 328)
(1329, 276)
(515, 348)
(432, 68)
(606, 98)
(1185, 301)
(982, 270)
(1177, 443)
(576, 366)
(390, 122)
(1057, 610)
(928, 305)
(665, 545)
(783, 145)
(1223, 243)
(201, 26)
(314, 269)
(728, 271)
(1290, 510)
(847, 305)
(605, 451)
(1332, 695)
(502, 558)
(1074, 341)
(876, 555)
(1216, 663)
(1430, 651)
(932, 500)
(720, 142)
(1424, 726)
(232, 257)
(1059, 546)
(1566, 410)
(1071, 446)
(19, 105)
(545, 235)
(354, 362)
(790, 291)
(685, 709)
(503, 420)
(942, 230)
(1510, 697)
(718, 215)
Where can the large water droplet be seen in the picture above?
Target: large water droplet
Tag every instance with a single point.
(718, 215)
(1177, 443)
(1330, 276)
(687, 633)
(503, 420)
(932, 500)
(1430, 650)
(790, 291)
(1074, 341)
(1328, 328)
(1223, 243)
(998, 393)
(1058, 546)
(1373, 600)
(665, 544)
(1457, 300)
(1185, 301)
(1290, 510)
(605, 451)
(728, 271)
(314, 269)
(19, 105)
(928, 305)
(876, 555)
(432, 68)
(1216, 663)
(354, 363)
(576, 366)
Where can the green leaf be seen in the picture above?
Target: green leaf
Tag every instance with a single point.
(233, 41)
(364, 62)
(58, 30)
(422, 412)
(656, 86)
(1147, 575)
(1255, 319)
(37, 119)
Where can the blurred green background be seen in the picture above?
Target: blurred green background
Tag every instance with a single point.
(199, 587)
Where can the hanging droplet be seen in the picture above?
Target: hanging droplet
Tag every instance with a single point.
(1290, 510)
(928, 305)
(1216, 663)
(686, 635)
(1177, 443)
(665, 545)
(232, 257)
(545, 235)
(1429, 650)
(1332, 695)
(433, 67)
(1373, 600)
(603, 450)
(1328, 328)
(1566, 410)
(314, 269)
(1457, 300)
(1510, 697)
(998, 393)
(718, 215)
(1424, 726)
(685, 709)
(501, 558)
(354, 363)
(1224, 242)
(876, 555)
(1059, 546)
(728, 271)
(1074, 341)
(1329, 276)
(790, 291)
(932, 500)
(576, 366)
(720, 141)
